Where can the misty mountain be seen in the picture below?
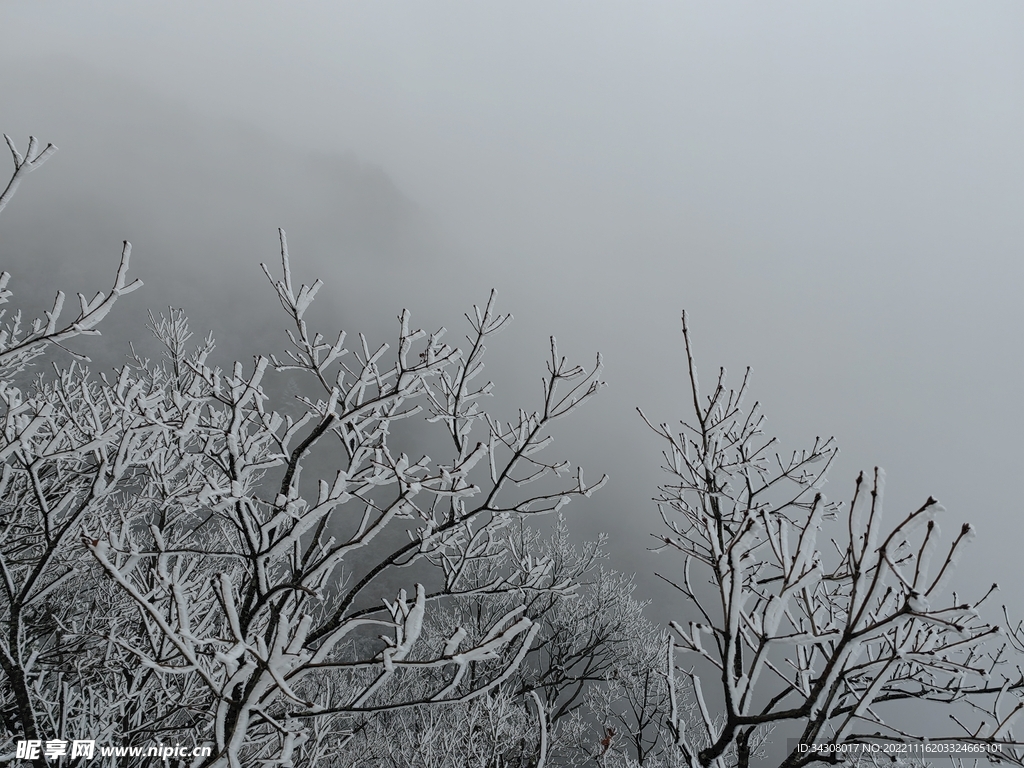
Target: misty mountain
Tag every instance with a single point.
(200, 200)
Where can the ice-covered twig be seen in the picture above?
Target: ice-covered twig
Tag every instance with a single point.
(23, 165)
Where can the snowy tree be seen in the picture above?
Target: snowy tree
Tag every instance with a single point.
(61, 450)
(812, 618)
(595, 665)
(171, 572)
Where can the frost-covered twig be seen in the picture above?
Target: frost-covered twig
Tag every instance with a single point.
(23, 165)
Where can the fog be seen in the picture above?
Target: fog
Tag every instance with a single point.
(832, 192)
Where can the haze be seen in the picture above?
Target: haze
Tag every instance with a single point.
(832, 191)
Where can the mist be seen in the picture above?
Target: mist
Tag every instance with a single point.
(832, 193)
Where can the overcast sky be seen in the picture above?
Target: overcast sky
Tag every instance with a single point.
(833, 191)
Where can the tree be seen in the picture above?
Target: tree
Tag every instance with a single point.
(226, 603)
(594, 665)
(58, 439)
(813, 618)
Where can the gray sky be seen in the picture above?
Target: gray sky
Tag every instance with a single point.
(833, 191)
